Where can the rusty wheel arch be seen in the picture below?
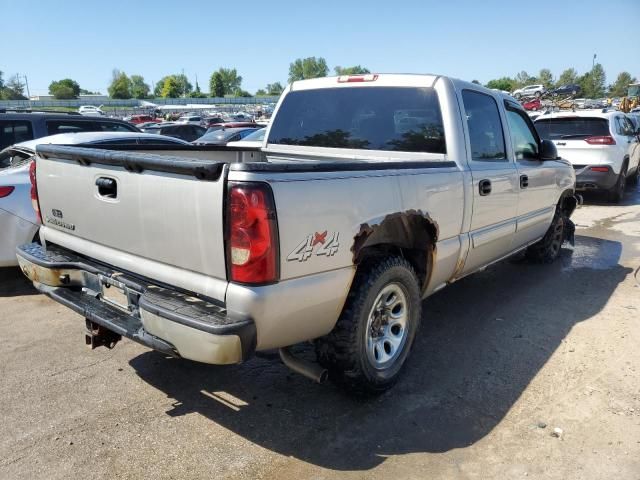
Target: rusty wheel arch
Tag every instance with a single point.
(411, 234)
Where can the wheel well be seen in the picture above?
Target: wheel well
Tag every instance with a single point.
(568, 202)
(411, 235)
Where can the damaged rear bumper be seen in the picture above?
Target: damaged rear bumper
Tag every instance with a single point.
(163, 319)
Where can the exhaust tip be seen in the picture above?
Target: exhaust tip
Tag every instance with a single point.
(310, 370)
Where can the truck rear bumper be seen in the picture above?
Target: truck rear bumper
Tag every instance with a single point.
(161, 318)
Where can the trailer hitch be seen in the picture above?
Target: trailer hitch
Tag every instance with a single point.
(98, 336)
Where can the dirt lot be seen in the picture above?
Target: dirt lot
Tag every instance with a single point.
(501, 355)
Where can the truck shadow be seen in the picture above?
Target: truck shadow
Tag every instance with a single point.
(13, 283)
(482, 342)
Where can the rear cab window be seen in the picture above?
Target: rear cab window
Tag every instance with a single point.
(401, 119)
(571, 127)
(15, 131)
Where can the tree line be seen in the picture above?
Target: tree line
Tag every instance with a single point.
(593, 83)
(227, 82)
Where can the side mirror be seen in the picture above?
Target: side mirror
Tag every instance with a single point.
(548, 150)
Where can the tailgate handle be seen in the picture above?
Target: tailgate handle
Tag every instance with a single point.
(107, 187)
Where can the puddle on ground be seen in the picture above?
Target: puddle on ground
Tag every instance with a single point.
(593, 253)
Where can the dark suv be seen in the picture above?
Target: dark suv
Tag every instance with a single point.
(17, 126)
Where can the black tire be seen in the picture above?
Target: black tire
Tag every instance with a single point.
(547, 249)
(616, 194)
(635, 178)
(538, 94)
(345, 352)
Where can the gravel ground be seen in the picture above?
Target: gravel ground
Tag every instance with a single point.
(504, 357)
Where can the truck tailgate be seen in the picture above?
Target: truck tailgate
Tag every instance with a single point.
(165, 209)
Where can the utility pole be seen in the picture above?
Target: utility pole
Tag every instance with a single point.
(184, 86)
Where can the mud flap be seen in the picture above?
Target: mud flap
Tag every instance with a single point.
(569, 231)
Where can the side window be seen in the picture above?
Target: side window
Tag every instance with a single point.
(485, 128)
(525, 141)
(15, 131)
(627, 127)
(113, 127)
(66, 126)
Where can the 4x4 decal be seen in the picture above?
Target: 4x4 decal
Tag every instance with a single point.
(328, 245)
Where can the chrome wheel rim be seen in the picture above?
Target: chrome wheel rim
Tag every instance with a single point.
(387, 326)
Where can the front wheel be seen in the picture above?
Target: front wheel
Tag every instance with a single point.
(372, 338)
(547, 249)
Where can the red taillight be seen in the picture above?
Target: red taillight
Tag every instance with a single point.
(6, 191)
(34, 189)
(599, 169)
(252, 240)
(600, 140)
(358, 78)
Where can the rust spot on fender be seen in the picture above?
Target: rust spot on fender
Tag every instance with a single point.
(408, 229)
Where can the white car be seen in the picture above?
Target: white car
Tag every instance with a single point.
(90, 111)
(253, 140)
(190, 119)
(603, 147)
(19, 223)
(529, 91)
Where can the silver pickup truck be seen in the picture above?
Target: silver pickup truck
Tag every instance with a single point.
(370, 193)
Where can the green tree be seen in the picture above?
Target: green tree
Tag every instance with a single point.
(171, 88)
(120, 86)
(216, 85)
(88, 92)
(14, 89)
(621, 85)
(241, 93)
(355, 70)
(310, 67)
(593, 82)
(475, 81)
(231, 81)
(139, 89)
(504, 83)
(274, 89)
(157, 90)
(523, 79)
(64, 89)
(567, 77)
(197, 93)
(545, 77)
(261, 93)
(183, 84)
(1, 81)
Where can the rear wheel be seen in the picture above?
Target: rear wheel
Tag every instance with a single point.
(371, 341)
(616, 194)
(538, 94)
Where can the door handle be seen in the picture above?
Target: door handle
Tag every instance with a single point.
(524, 181)
(484, 186)
(107, 187)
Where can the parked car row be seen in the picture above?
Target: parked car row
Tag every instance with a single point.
(539, 90)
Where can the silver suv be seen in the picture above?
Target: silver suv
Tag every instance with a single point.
(529, 91)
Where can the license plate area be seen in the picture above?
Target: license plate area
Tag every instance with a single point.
(114, 293)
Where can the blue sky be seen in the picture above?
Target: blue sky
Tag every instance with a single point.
(482, 39)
